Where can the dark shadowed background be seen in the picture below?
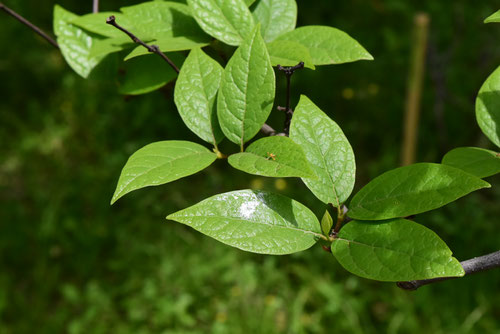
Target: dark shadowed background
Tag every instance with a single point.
(71, 263)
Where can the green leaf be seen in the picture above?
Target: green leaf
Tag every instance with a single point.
(328, 151)
(162, 162)
(412, 189)
(326, 223)
(396, 250)
(249, 2)
(147, 73)
(229, 21)
(287, 53)
(163, 20)
(276, 17)
(476, 161)
(275, 156)
(195, 93)
(103, 47)
(327, 45)
(495, 17)
(75, 44)
(170, 44)
(246, 93)
(254, 221)
(488, 107)
(96, 23)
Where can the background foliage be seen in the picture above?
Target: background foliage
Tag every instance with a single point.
(71, 263)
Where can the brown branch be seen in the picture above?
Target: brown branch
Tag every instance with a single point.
(95, 6)
(289, 71)
(151, 48)
(29, 24)
(471, 266)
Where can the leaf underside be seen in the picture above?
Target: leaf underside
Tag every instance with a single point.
(75, 44)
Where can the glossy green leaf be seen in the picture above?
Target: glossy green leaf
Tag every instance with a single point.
(412, 189)
(96, 23)
(327, 45)
(162, 162)
(495, 17)
(488, 107)
(195, 93)
(473, 160)
(75, 44)
(396, 250)
(247, 90)
(254, 221)
(137, 78)
(288, 53)
(275, 156)
(276, 17)
(170, 44)
(165, 19)
(326, 223)
(229, 21)
(328, 151)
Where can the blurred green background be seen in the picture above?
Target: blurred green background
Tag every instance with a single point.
(71, 263)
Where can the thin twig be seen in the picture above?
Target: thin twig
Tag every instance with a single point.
(471, 266)
(269, 131)
(29, 24)
(95, 7)
(151, 48)
(288, 70)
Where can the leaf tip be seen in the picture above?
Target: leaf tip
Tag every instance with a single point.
(172, 216)
(490, 19)
(116, 197)
(485, 184)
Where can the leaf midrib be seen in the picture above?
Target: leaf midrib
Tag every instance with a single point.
(323, 158)
(388, 249)
(159, 166)
(295, 169)
(249, 221)
(395, 197)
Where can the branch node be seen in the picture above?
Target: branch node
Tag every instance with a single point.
(288, 70)
(151, 48)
